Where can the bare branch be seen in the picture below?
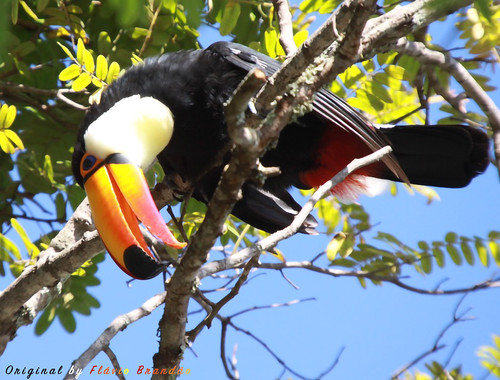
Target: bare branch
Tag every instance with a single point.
(272, 306)
(223, 335)
(10, 87)
(228, 297)
(149, 35)
(120, 323)
(114, 361)
(375, 277)
(437, 346)
(286, 27)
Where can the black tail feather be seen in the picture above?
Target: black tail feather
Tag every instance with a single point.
(439, 155)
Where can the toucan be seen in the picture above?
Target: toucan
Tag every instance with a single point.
(170, 108)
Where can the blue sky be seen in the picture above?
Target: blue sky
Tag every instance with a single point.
(380, 329)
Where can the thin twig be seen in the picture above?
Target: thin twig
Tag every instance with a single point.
(119, 324)
(224, 324)
(272, 306)
(114, 360)
(149, 35)
(437, 346)
(228, 297)
(372, 275)
(285, 25)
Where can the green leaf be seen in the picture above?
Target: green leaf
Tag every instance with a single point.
(23, 49)
(88, 61)
(80, 49)
(66, 51)
(75, 196)
(170, 5)
(104, 44)
(454, 254)
(101, 71)
(81, 82)
(482, 252)
(45, 320)
(41, 5)
(426, 263)
(12, 136)
(483, 6)
(7, 116)
(5, 144)
(70, 72)
(139, 33)
(8, 249)
(495, 251)
(28, 10)
(113, 71)
(67, 319)
(300, 37)
(329, 214)
(396, 72)
(14, 11)
(3, 114)
(60, 206)
(467, 252)
(48, 169)
(451, 237)
(438, 256)
(30, 247)
(334, 245)
(230, 17)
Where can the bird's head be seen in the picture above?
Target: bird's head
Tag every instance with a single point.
(108, 161)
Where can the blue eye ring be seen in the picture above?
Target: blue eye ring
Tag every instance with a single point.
(88, 162)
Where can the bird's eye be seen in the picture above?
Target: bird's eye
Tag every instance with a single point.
(88, 162)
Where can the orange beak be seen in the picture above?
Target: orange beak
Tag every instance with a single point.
(119, 197)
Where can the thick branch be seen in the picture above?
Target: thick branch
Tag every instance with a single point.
(76, 243)
(404, 20)
(293, 67)
(241, 166)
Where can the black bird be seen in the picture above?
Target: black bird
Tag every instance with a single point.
(171, 108)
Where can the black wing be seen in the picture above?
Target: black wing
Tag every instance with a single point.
(326, 104)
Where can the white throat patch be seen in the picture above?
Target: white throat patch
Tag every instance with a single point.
(139, 128)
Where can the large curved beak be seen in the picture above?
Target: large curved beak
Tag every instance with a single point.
(119, 196)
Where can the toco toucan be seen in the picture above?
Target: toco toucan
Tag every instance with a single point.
(171, 108)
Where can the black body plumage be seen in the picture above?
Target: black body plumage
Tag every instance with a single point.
(195, 86)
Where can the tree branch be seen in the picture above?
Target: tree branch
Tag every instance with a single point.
(286, 26)
(437, 346)
(375, 277)
(120, 323)
(403, 20)
(228, 297)
(271, 241)
(76, 243)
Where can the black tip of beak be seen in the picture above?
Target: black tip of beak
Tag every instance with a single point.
(140, 265)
